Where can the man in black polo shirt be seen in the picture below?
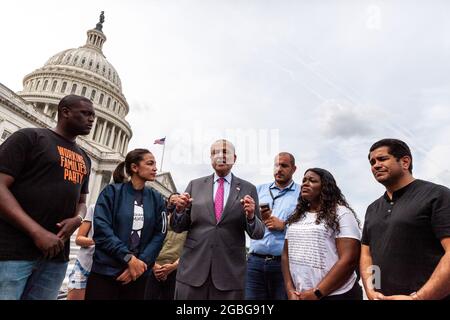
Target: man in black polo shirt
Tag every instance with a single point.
(44, 178)
(406, 236)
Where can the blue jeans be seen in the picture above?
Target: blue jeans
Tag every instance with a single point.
(264, 279)
(31, 280)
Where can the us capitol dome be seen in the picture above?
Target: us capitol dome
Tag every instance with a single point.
(82, 71)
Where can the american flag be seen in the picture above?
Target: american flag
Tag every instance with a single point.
(160, 141)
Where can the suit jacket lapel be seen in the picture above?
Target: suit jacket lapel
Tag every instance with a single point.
(235, 189)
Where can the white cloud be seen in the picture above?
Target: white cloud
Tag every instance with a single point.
(345, 121)
(436, 167)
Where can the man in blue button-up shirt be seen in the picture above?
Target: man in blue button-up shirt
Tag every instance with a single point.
(264, 276)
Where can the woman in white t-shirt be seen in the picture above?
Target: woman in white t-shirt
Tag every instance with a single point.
(322, 243)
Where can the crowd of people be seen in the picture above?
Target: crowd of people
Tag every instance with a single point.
(307, 242)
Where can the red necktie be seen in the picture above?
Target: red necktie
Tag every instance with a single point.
(218, 202)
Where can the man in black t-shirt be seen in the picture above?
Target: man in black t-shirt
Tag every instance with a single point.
(405, 252)
(44, 178)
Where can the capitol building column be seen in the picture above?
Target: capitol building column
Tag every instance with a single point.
(102, 136)
(117, 142)
(91, 134)
(111, 137)
(97, 178)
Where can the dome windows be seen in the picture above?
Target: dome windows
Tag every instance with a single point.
(63, 87)
(90, 75)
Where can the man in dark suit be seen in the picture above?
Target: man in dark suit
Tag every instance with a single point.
(216, 210)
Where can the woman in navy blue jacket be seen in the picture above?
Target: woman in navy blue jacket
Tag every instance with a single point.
(129, 230)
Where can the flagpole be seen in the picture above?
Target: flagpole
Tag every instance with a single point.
(162, 158)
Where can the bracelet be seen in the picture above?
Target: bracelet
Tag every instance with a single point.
(81, 218)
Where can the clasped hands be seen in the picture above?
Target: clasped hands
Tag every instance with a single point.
(51, 244)
(136, 268)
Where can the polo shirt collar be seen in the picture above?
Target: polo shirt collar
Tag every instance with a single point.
(400, 192)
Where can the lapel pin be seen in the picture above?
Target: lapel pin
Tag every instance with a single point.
(238, 189)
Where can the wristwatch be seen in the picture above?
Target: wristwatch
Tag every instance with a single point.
(318, 294)
(127, 257)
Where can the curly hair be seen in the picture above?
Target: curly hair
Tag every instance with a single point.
(330, 198)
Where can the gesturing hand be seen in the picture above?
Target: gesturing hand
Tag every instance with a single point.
(183, 201)
(249, 206)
